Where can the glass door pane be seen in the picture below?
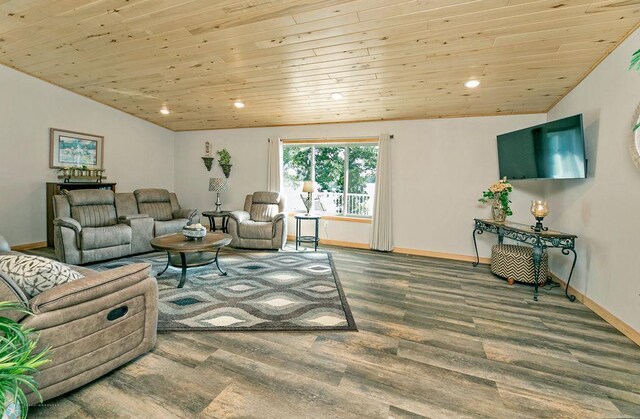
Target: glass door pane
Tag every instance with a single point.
(362, 180)
(296, 169)
(329, 170)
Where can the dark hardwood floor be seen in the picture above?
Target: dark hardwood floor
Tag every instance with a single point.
(437, 339)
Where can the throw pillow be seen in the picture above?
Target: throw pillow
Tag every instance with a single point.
(35, 274)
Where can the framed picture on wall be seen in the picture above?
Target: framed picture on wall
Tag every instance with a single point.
(75, 149)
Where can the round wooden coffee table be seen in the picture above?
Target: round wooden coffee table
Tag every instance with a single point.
(183, 253)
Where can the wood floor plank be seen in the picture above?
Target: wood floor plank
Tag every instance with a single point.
(437, 339)
(292, 395)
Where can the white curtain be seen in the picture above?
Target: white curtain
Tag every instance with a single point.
(382, 225)
(274, 173)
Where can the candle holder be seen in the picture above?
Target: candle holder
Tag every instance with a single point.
(539, 209)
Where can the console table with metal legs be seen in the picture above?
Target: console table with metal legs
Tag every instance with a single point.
(539, 240)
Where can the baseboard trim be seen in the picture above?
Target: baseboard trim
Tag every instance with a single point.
(29, 246)
(605, 314)
(352, 245)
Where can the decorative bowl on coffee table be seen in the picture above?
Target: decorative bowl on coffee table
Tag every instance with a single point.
(194, 231)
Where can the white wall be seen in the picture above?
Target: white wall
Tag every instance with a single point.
(604, 210)
(136, 153)
(440, 167)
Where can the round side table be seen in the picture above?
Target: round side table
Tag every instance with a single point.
(212, 215)
(307, 239)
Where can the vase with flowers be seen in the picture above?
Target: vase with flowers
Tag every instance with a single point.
(498, 193)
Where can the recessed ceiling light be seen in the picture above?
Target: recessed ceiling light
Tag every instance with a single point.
(472, 84)
(165, 111)
(336, 96)
(238, 104)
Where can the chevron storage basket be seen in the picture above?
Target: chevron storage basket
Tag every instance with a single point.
(516, 263)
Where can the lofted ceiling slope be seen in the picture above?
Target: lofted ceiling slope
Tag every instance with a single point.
(390, 59)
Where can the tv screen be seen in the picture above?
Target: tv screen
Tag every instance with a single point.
(554, 150)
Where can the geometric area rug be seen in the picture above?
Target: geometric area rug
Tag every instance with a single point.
(263, 291)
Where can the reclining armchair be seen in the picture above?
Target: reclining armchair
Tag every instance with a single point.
(93, 324)
(262, 224)
(86, 227)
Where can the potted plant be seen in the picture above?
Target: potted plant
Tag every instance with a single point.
(18, 363)
(224, 160)
(499, 194)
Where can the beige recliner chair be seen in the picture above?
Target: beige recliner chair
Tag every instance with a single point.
(93, 324)
(262, 224)
(86, 227)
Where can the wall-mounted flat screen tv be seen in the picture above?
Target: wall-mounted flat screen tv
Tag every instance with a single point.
(554, 150)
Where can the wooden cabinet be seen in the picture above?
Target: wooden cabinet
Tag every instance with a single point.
(59, 188)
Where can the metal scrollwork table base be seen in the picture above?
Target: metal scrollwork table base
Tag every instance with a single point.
(538, 240)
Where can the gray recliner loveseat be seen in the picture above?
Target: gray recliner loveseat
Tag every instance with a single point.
(262, 224)
(91, 225)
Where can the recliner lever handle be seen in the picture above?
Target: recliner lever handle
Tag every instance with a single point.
(116, 313)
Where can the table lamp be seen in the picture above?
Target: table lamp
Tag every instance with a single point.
(218, 184)
(309, 188)
(539, 209)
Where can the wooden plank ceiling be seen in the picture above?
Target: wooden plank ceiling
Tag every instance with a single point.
(391, 59)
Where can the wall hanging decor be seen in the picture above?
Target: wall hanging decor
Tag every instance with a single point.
(207, 159)
(69, 149)
(224, 160)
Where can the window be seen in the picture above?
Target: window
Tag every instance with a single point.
(345, 175)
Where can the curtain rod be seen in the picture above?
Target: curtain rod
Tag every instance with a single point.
(335, 139)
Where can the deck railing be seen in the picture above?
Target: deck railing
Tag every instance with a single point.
(357, 203)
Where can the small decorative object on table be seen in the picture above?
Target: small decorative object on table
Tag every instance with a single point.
(499, 193)
(218, 184)
(224, 160)
(80, 174)
(194, 231)
(539, 209)
(309, 188)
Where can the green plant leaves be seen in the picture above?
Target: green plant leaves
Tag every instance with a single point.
(224, 158)
(18, 360)
(502, 197)
(635, 61)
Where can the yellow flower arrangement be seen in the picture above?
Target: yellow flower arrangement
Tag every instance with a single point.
(499, 191)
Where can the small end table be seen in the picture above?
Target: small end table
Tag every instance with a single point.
(212, 215)
(307, 239)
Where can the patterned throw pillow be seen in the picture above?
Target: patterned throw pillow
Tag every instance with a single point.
(36, 274)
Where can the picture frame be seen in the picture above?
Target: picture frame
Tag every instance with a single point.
(75, 149)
